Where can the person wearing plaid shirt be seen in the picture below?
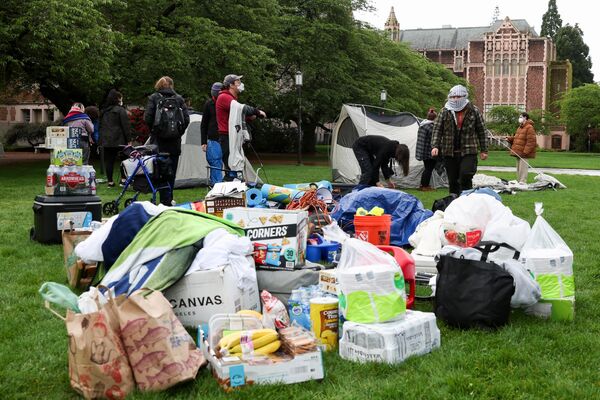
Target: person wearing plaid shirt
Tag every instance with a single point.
(459, 133)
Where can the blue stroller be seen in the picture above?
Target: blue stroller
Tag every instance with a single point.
(147, 171)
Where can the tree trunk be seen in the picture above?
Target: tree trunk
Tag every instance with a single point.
(309, 139)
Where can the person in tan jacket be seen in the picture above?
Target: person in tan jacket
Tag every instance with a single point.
(523, 145)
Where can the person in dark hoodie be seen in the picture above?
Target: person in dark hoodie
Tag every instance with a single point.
(209, 136)
(377, 152)
(115, 131)
(168, 140)
(77, 118)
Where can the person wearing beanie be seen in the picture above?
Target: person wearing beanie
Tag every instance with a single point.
(375, 152)
(523, 145)
(457, 136)
(77, 118)
(209, 135)
(423, 150)
(232, 88)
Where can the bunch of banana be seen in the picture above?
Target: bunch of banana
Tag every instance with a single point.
(264, 341)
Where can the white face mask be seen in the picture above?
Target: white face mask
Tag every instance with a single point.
(121, 102)
(521, 120)
(241, 87)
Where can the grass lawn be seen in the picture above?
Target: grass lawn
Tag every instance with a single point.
(547, 159)
(528, 359)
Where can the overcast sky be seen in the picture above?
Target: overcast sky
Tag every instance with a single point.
(435, 13)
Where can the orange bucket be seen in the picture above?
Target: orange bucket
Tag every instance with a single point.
(373, 229)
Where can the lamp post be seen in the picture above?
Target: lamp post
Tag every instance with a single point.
(589, 132)
(383, 98)
(299, 89)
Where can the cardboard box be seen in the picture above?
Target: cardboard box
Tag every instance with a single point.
(231, 373)
(66, 157)
(200, 295)
(63, 137)
(216, 205)
(280, 233)
(328, 281)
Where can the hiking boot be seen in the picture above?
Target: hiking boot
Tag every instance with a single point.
(426, 189)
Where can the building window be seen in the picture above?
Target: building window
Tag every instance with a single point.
(458, 64)
(514, 67)
(505, 67)
(489, 67)
(26, 115)
(522, 66)
(497, 66)
(556, 142)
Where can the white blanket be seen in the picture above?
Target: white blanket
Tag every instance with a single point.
(238, 134)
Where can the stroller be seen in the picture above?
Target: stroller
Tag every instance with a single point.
(147, 171)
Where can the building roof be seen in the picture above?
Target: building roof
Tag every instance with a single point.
(455, 38)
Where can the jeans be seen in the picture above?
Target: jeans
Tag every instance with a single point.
(460, 172)
(166, 195)
(214, 157)
(365, 161)
(224, 142)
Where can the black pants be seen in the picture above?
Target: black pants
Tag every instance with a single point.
(460, 172)
(365, 161)
(111, 154)
(429, 166)
(224, 142)
(166, 195)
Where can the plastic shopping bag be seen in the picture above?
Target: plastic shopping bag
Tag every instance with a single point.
(371, 284)
(547, 255)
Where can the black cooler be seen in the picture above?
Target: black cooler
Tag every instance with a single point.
(46, 210)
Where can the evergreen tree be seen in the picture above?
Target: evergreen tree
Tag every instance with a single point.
(570, 46)
(551, 21)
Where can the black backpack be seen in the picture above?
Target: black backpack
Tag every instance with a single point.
(168, 118)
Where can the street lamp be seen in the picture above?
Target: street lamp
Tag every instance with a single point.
(589, 132)
(383, 98)
(299, 88)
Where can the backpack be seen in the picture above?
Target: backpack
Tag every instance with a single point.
(168, 118)
(441, 204)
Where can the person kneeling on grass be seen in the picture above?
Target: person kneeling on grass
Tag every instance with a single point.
(377, 152)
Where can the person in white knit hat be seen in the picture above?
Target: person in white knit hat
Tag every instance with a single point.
(459, 133)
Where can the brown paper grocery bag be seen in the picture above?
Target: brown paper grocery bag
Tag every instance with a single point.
(161, 352)
(98, 364)
(79, 274)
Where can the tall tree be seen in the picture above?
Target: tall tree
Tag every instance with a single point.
(551, 21)
(570, 46)
(580, 112)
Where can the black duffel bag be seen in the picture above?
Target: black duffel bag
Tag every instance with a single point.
(473, 293)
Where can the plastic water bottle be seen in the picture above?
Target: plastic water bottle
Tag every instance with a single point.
(92, 181)
(50, 180)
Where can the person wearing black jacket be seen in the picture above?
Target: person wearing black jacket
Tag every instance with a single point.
(377, 152)
(165, 89)
(115, 131)
(209, 135)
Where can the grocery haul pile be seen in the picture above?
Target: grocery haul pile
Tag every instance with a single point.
(271, 288)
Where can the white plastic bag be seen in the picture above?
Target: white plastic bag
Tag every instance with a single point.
(371, 284)
(547, 255)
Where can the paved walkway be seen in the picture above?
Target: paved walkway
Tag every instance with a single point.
(550, 171)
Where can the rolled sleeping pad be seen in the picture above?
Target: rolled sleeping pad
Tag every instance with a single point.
(280, 194)
(254, 197)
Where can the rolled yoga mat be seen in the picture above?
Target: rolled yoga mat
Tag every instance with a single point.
(279, 194)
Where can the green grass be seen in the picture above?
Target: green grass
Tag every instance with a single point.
(528, 359)
(547, 159)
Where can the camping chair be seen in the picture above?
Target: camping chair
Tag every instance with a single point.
(407, 264)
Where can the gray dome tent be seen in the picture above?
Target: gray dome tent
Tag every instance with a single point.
(360, 120)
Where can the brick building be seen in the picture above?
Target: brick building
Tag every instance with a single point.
(24, 106)
(506, 63)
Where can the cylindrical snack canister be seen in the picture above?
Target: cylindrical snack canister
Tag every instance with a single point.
(324, 319)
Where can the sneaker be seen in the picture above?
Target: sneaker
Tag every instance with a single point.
(110, 184)
(426, 189)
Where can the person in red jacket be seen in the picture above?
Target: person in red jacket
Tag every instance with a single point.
(232, 87)
(523, 145)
